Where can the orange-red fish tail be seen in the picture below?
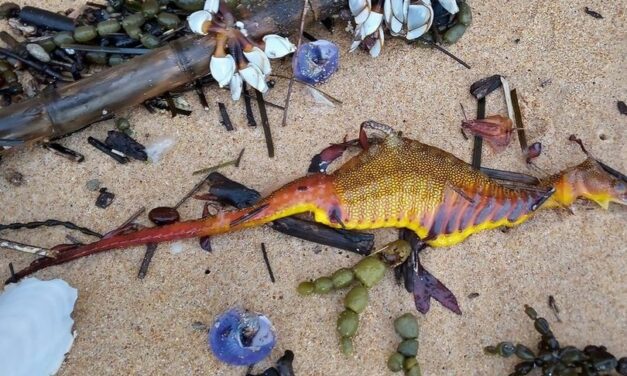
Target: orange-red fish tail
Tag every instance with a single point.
(313, 193)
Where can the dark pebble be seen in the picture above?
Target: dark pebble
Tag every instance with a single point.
(622, 107)
(104, 199)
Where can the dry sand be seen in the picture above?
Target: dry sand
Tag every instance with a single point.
(131, 326)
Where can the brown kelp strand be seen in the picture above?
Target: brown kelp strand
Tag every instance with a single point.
(49, 223)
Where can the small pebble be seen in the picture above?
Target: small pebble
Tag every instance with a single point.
(104, 198)
(93, 185)
(406, 326)
(622, 107)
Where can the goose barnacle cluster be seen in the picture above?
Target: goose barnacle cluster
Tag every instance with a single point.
(408, 18)
(237, 58)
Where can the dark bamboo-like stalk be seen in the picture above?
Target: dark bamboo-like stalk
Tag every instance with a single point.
(69, 108)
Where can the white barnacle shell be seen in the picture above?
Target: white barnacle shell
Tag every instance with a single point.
(419, 19)
(213, 5)
(236, 86)
(222, 69)
(35, 326)
(450, 6)
(357, 6)
(259, 59)
(371, 24)
(277, 46)
(197, 19)
(254, 77)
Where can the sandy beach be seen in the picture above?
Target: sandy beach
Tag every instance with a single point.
(566, 67)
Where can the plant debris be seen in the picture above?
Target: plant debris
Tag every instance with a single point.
(495, 129)
(124, 143)
(283, 367)
(50, 223)
(556, 360)
(533, 151)
(485, 86)
(117, 155)
(554, 308)
(592, 13)
(224, 117)
(64, 152)
(267, 262)
(105, 198)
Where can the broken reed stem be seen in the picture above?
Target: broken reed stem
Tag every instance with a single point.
(25, 248)
(520, 127)
(478, 140)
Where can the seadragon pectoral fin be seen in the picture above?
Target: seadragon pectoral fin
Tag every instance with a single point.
(420, 282)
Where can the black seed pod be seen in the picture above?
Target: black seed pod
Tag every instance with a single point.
(542, 326)
(505, 349)
(524, 353)
(524, 368)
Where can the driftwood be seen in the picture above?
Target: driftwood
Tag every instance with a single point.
(69, 108)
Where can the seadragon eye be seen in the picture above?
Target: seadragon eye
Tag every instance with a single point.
(315, 62)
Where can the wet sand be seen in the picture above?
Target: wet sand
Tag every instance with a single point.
(568, 69)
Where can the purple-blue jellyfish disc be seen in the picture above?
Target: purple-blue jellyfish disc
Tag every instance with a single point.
(241, 338)
(315, 62)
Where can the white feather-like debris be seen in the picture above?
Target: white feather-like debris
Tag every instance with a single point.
(35, 326)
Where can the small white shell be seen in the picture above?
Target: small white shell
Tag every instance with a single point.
(35, 326)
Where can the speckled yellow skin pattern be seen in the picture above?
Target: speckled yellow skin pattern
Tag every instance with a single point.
(398, 182)
(405, 183)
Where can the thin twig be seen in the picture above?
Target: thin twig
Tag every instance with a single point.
(326, 95)
(150, 252)
(300, 39)
(234, 162)
(267, 261)
(447, 53)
